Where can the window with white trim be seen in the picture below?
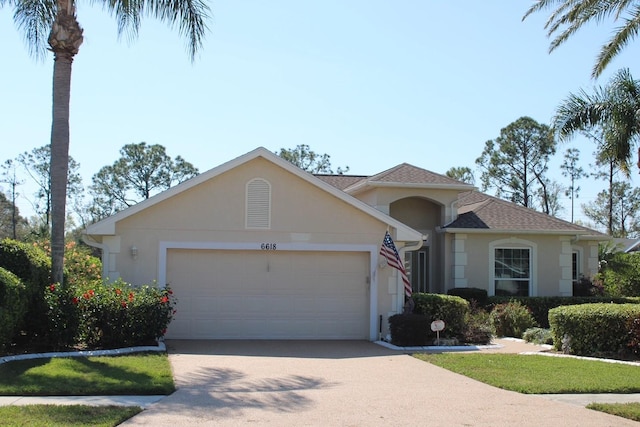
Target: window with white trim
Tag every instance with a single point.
(512, 271)
(258, 203)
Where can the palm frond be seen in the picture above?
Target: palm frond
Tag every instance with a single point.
(189, 16)
(34, 18)
(621, 38)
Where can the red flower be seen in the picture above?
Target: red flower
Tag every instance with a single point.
(74, 301)
(124, 304)
(130, 296)
(164, 300)
(52, 288)
(164, 331)
(118, 292)
(170, 292)
(91, 293)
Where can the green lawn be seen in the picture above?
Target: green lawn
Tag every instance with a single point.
(141, 374)
(63, 416)
(541, 374)
(626, 410)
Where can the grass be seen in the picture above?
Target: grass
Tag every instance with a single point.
(72, 416)
(141, 374)
(533, 374)
(626, 410)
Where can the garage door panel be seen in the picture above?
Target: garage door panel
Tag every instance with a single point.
(255, 294)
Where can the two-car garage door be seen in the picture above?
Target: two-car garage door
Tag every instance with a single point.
(237, 294)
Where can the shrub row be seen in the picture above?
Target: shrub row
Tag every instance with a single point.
(540, 306)
(593, 329)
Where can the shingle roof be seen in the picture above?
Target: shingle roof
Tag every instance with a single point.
(409, 174)
(480, 211)
(476, 210)
(341, 181)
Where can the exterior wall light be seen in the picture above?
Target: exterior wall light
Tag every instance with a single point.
(134, 252)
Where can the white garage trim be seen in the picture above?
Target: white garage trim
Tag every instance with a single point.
(164, 246)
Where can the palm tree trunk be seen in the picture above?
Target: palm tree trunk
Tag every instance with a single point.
(59, 161)
(65, 40)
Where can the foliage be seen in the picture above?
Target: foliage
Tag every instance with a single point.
(574, 172)
(633, 325)
(478, 330)
(449, 308)
(66, 415)
(587, 288)
(622, 216)
(307, 160)
(538, 374)
(13, 306)
(572, 15)
(515, 163)
(141, 171)
(12, 225)
(461, 173)
(31, 265)
(471, 294)
(630, 410)
(80, 266)
(134, 374)
(62, 317)
(409, 329)
(609, 111)
(592, 329)
(540, 306)
(120, 314)
(37, 164)
(620, 277)
(538, 336)
(511, 319)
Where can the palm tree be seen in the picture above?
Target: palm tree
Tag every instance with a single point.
(571, 15)
(57, 19)
(613, 109)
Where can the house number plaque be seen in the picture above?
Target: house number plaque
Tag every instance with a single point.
(268, 246)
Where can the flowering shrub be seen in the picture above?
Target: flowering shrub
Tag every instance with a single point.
(62, 317)
(120, 314)
(79, 265)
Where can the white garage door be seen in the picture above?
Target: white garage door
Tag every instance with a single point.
(269, 294)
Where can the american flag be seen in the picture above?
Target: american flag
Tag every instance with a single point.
(389, 251)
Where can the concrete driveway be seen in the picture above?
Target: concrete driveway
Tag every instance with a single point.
(339, 383)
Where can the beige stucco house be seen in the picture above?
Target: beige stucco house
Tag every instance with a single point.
(256, 248)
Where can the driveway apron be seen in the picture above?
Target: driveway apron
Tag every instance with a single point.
(339, 383)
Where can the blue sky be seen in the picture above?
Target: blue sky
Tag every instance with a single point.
(371, 83)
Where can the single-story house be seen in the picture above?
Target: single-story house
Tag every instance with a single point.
(257, 248)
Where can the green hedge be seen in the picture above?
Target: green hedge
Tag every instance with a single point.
(33, 267)
(409, 330)
(449, 308)
(540, 306)
(471, 294)
(13, 306)
(592, 329)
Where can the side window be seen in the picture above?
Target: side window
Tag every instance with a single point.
(258, 204)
